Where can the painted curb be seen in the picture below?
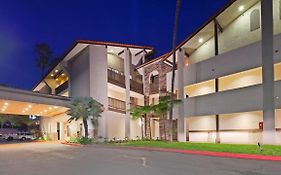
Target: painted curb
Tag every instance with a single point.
(71, 144)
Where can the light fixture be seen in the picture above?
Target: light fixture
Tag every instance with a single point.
(26, 109)
(57, 79)
(41, 112)
(45, 110)
(62, 74)
(56, 107)
(200, 40)
(56, 70)
(29, 106)
(50, 108)
(241, 8)
(52, 75)
(23, 111)
(3, 110)
(5, 107)
(6, 103)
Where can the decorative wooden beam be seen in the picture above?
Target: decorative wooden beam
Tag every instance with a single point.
(121, 52)
(218, 25)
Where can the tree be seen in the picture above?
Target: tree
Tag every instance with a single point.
(174, 68)
(159, 110)
(85, 108)
(43, 56)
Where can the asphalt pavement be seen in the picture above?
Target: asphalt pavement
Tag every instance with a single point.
(57, 159)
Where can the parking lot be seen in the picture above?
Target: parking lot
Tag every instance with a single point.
(33, 158)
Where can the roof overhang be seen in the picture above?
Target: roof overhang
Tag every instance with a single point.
(22, 102)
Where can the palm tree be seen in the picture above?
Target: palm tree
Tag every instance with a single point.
(161, 109)
(85, 108)
(43, 56)
(140, 112)
(174, 68)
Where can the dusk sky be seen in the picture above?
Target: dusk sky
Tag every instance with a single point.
(24, 23)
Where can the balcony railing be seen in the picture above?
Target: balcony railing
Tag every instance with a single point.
(118, 79)
(61, 88)
(154, 88)
(116, 105)
(136, 86)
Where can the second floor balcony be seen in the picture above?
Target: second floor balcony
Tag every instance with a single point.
(118, 79)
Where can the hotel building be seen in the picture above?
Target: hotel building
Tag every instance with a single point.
(228, 78)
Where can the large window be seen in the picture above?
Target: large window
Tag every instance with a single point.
(255, 20)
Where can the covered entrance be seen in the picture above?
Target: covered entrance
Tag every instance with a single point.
(22, 103)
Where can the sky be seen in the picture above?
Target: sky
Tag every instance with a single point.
(25, 23)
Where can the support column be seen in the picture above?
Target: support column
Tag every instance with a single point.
(127, 72)
(269, 133)
(216, 40)
(181, 119)
(217, 140)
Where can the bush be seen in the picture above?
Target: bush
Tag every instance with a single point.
(85, 140)
(80, 140)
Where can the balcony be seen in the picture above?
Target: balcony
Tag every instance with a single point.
(118, 79)
(116, 105)
(61, 88)
(154, 88)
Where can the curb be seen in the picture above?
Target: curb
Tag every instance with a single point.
(72, 144)
(212, 154)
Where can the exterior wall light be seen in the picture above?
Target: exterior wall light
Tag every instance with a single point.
(200, 40)
(241, 8)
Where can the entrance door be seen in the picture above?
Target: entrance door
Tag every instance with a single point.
(58, 130)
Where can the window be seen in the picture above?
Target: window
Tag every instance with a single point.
(255, 20)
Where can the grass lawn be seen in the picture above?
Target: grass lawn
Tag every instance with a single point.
(272, 150)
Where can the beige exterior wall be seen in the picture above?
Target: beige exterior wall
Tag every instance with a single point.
(277, 72)
(278, 118)
(245, 120)
(116, 94)
(116, 126)
(234, 81)
(236, 35)
(202, 123)
(202, 88)
(49, 127)
(242, 79)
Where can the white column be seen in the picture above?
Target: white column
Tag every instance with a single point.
(269, 133)
(127, 72)
(181, 118)
(98, 83)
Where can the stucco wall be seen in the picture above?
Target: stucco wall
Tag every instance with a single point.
(80, 77)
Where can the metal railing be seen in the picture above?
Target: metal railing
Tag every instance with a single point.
(61, 88)
(116, 105)
(118, 79)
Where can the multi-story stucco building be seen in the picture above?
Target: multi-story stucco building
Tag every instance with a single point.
(228, 78)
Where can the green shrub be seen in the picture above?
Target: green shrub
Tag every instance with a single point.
(80, 140)
(85, 140)
(73, 140)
